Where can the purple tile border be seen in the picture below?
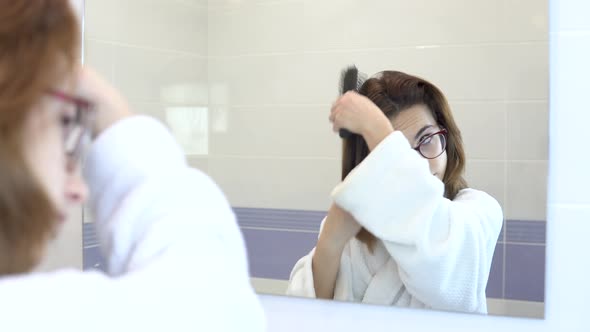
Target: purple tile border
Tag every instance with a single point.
(526, 231)
(277, 238)
(280, 219)
(525, 272)
(501, 235)
(517, 231)
(93, 259)
(89, 237)
(495, 287)
(272, 254)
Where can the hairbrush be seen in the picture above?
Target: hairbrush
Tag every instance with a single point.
(350, 80)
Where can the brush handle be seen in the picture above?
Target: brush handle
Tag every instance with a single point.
(344, 133)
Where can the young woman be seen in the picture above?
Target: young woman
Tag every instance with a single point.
(176, 258)
(404, 228)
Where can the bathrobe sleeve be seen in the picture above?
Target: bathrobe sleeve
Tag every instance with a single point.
(176, 258)
(443, 248)
(301, 279)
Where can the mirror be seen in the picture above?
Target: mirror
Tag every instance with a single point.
(247, 87)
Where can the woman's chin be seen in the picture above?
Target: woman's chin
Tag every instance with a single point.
(57, 227)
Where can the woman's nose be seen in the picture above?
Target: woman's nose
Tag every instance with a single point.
(76, 188)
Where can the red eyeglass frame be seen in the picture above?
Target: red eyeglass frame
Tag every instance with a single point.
(444, 132)
(82, 105)
(79, 102)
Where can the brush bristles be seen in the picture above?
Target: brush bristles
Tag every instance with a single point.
(349, 80)
(361, 79)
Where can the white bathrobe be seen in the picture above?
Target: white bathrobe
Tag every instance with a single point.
(176, 258)
(432, 253)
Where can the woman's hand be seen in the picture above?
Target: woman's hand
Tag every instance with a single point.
(361, 116)
(110, 105)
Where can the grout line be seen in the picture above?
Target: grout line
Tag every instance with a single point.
(221, 156)
(239, 106)
(338, 159)
(455, 101)
(279, 229)
(540, 161)
(146, 48)
(383, 49)
(504, 269)
(224, 156)
(275, 105)
(505, 194)
(505, 161)
(532, 244)
(497, 101)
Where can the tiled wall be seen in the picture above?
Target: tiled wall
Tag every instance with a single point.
(276, 65)
(246, 86)
(155, 52)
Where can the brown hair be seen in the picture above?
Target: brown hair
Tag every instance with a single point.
(39, 43)
(393, 92)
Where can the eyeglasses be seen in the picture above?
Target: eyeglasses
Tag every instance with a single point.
(433, 145)
(78, 126)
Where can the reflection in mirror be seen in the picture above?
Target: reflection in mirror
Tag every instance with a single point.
(443, 208)
(404, 228)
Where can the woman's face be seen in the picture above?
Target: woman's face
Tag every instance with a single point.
(44, 138)
(416, 123)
